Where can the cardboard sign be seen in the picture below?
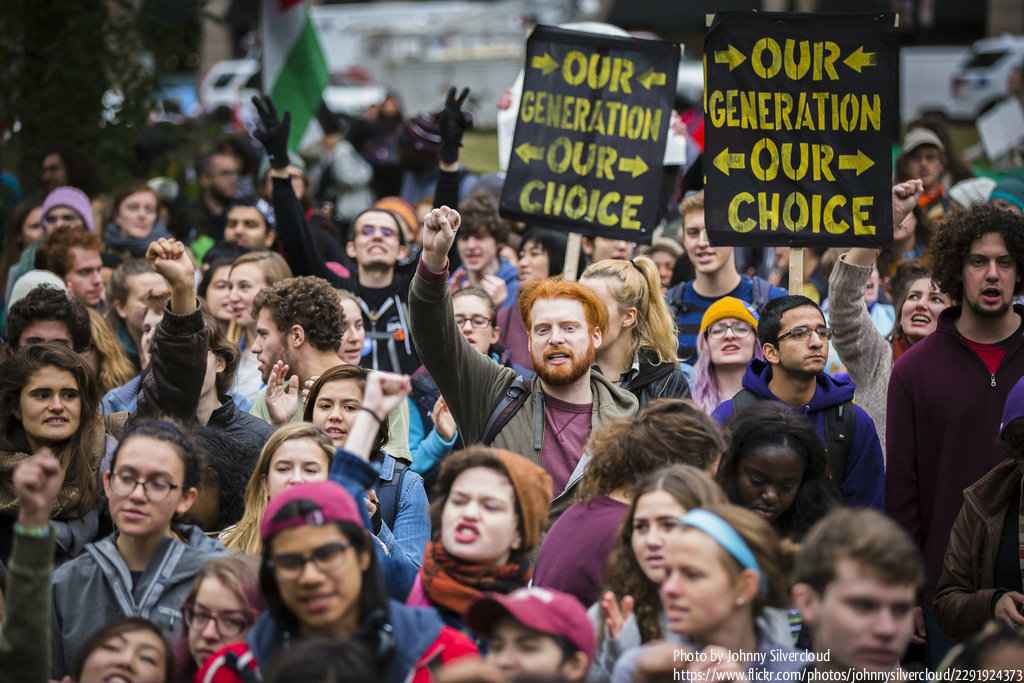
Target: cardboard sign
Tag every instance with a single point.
(590, 133)
(801, 111)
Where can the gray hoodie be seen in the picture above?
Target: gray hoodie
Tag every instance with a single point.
(96, 589)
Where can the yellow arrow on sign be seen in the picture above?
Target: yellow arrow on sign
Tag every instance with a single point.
(732, 57)
(636, 166)
(724, 161)
(545, 63)
(858, 59)
(652, 77)
(528, 152)
(858, 162)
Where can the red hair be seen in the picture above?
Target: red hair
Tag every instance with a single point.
(593, 308)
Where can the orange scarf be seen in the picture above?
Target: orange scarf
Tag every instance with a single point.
(454, 584)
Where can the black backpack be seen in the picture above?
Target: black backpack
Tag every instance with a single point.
(840, 423)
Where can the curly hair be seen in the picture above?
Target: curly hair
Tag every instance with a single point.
(55, 253)
(690, 488)
(225, 471)
(956, 233)
(666, 432)
(769, 423)
(480, 218)
(309, 302)
(49, 303)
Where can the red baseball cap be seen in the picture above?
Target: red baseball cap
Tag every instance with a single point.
(334, 503)
(538, 609)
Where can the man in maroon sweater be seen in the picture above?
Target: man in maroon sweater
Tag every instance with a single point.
(947, 392)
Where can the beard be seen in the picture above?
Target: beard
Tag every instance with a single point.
(563, 374)
(983, 312)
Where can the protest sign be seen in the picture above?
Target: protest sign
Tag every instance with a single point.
(801, 111)
(590, 133)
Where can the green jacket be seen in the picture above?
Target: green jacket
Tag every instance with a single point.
(25, 634)
(473, 384)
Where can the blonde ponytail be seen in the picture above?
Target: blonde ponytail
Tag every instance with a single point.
(638, 285)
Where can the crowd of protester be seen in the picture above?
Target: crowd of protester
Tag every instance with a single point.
(342, 421)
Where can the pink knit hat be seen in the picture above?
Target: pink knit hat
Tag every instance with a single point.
(72, 198)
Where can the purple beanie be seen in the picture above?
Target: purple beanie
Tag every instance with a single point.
(1014, 407)
(72, 198)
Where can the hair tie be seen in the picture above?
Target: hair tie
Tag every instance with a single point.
(725, 536)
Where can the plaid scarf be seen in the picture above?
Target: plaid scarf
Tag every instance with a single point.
(455, 584)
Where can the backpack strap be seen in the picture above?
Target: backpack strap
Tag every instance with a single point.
(388, 494)
(514, 398)
(742, 400)
(676, 302)
(840, 424)
(761, 294)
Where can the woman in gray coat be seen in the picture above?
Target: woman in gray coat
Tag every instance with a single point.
(146, 567)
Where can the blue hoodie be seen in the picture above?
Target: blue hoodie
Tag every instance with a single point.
(415, 630)
(864, 481)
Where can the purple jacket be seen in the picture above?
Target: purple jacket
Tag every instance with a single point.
(942, 428)
(864, 480)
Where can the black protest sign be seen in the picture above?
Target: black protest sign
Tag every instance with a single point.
(801, 112)
(590, 133)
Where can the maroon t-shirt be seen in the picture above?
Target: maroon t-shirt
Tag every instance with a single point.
(566, 430)
(575, 552)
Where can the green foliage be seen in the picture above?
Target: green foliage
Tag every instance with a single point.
(59, 60)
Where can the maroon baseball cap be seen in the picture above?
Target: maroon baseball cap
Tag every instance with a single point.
(334, 503)
(538, 609)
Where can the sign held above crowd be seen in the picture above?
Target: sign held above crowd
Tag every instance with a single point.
(590, 133)
(801, 111)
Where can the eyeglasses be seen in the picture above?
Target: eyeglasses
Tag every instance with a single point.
(382, 230)
(477, 321)
(738, 329)
(229, 624)
(327, 558)
(155, 490)
(802, 333)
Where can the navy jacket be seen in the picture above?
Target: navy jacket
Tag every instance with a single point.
(415, 631)
(864, 480)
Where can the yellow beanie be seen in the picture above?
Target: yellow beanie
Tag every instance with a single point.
(727, 307)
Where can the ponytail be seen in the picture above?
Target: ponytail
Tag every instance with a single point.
(638, 285)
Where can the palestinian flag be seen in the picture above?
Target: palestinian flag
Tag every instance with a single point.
(294, 68)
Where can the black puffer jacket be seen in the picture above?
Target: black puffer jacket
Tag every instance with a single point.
(661, 380)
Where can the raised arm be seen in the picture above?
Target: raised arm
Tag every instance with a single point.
(454, 123)
(299, 247)
(27, 599)
(470, 382)
(174, 382)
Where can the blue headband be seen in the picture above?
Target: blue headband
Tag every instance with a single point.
(724, 535)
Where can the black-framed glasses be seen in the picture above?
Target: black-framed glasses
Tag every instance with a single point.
(739, 329)
(477, 321)
(229, 623)
(803, 332)
(123, 484)
(327, 558)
